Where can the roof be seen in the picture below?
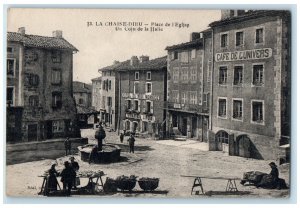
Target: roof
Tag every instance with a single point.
(81, 109)
(40, 41)
(97, 79)
(190, 44)
(253, 14)
(81, 87)
(154, 64)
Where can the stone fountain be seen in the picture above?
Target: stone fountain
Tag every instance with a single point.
(110, 153)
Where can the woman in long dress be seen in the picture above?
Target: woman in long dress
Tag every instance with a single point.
(52, 180)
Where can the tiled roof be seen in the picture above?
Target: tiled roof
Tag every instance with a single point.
(249, 15)
(85, 110)
(81, 87)
(197, 42)
(154, 64)
(40, 41)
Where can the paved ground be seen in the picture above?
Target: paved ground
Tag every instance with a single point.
(165, 159)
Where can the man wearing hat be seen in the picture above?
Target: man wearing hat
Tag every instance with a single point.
(75, 166)
(67, 177)
(100, 135)
(131, 141)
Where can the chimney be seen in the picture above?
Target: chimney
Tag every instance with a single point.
(57, 34)
(231, 13)
(134, 61)
(144, 59)
(194, 36)
(83, 85)
(116, 62)
(21, 30)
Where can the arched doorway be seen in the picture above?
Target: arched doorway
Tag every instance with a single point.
(222, 138)
(243, 146)
(135, 126)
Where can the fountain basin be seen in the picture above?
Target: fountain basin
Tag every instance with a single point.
(110, 153)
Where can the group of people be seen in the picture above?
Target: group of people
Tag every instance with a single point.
(130, 140)
(68, 176)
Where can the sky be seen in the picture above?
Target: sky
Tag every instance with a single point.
(100, 44)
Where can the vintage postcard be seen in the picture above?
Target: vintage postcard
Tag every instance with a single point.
(148, 103)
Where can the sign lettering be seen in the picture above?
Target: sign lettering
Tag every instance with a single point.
(262, 53)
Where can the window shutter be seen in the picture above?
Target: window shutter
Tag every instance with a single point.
(151, 107)
(139, 106)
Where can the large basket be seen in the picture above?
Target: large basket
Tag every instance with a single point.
(126, 183)
(148, 184)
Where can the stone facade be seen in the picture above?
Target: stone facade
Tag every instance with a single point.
(251, 86)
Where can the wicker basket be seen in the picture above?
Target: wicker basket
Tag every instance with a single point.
(148, 184)
(126, 183)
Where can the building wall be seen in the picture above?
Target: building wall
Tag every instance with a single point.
(158, 97)
(264, 136)
(96, 94)
(86, 98)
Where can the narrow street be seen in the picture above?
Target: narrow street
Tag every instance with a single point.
(165, 159)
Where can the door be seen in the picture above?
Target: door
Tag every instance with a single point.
(32, 132)
(204, 129)
(194, 127)
(244, 146)
(49, 129)
(184, 126)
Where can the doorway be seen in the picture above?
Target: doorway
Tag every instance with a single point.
(32, 132)
(184, 126)
(244, 146)
(194, 127)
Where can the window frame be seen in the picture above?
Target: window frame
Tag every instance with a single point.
(263, 113)
(184, 99)
(184, 73)
(55, 59)
(193, 52)
(59, 95)
(177, 97)
(263, 36)
(226, 110)
(195, 93)
(235, 39)
(193, 68)
(14, 67)
(60, 76)
(13, 95)
(177, 70)
(242, 83)
(146, 90)
(263, 74)
(136, 75)
(150, 75)
(223, 84)
(134, 87)
(221, 35)
(232, 109)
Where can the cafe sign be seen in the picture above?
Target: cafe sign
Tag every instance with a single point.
(140, 96)
(262, 53)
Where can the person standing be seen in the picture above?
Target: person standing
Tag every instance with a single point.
(75, 167)
(67, 177)
(67, 144)
(121, 137)
(52, 180)
(100, 135)
(131, 141)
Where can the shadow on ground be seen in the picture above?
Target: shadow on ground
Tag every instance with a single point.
(125, 147)
(226, 193)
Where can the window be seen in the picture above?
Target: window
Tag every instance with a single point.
(109, 84)
(258, 74)
(175, 74)
(10, 66)
(136, 105)
(239, 38)
(103, 102)
(183, 97)
(259, 35)
(33, 100)
(109, 101)
(148, 106)
(148, 87)
(185, 74)
(56, 56)
(223, 137)
(80, 101)
(193, 53)
(222, 108)
(184, 57)
(148, 76)
(257, 112)
(56, 76)
(237, 109)
(10, 95)
(223, 75)
(205, 100)
(136, 88)
(193, 97)
(193, 74)
(58, 126)
(9, 50)
(136, 75)
(238, 75)
(175, 94)
(33, 80)
(224, 40)
(174, 55)
(56, 99)
(128, 104)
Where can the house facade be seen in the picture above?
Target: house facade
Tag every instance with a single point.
(250, 104)
(82, 93)
(96, 93)
(189, 86)
(40, 102)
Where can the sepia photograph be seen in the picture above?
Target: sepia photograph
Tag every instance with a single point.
(148, 103)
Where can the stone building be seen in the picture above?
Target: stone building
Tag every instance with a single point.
(82, 93)
(40, 102)
(251, 93)
(96, 93)
(189, 86)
